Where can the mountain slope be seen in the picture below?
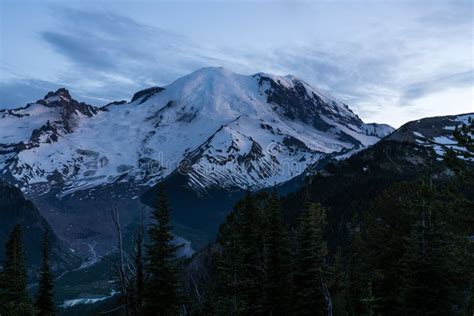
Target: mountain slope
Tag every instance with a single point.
(15, 209)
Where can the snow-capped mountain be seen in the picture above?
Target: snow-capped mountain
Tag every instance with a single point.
(220, 128)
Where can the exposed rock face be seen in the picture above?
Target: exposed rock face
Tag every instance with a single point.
(143, 95)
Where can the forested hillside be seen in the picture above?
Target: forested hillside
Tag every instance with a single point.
(388, 231)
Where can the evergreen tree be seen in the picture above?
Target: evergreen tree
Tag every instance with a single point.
(310, 263)
(430, 265)
(339, 285)
(369, 301)
(419, 253)
(389, 224)
(162, 295)
(139, 276)
(357, 273)
(240, 265)
(461, 192)
(250, 264)
(228, 298)
(44, 299)
(465, 137)
(277, 277)
(15, 300)
(468, 309)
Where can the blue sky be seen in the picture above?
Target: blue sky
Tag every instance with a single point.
(391, 61)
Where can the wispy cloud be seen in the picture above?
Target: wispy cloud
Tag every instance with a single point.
(417, 90)
(107, 50)
(453, 13)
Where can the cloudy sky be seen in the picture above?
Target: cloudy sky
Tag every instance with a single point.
(391, 61)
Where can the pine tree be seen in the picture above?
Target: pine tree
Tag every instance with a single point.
(253, 259)
(310, 263)
(339, 285)
(250, 264)
(15, 300)
(277, 276)
(357, 273)
(162, 295)
(44, 299)
(418, 250)
(369, 301)
(139, 276)
(228, 298)
(388, 227)
(430, 265)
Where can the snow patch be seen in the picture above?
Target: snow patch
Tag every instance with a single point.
(86, 300)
